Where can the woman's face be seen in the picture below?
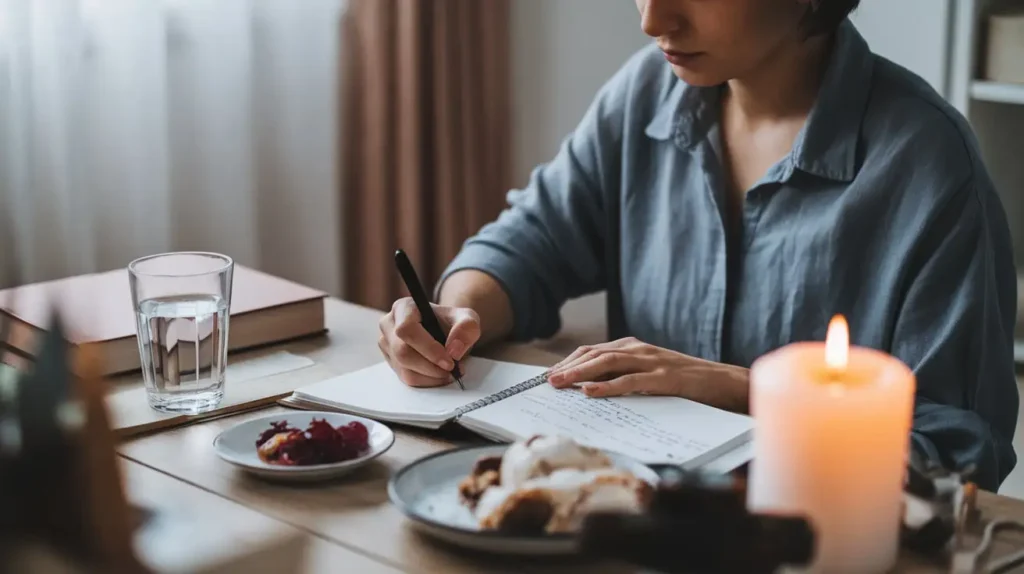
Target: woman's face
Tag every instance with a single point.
(709, 42)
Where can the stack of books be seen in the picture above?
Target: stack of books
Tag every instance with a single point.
(97, 309)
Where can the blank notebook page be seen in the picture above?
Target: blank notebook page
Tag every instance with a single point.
(378, 390)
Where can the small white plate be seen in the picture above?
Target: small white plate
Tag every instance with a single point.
(237, 446)
(427, 491)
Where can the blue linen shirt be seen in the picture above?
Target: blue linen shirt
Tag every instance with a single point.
(883, 211)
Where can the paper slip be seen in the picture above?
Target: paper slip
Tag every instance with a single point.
(248, 384)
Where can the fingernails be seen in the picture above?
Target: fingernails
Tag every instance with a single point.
(456, 348)
(446, 364)
(592, 390)
(561, 379)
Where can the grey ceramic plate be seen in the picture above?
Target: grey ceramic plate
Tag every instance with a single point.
(426, 491)
(237, 446)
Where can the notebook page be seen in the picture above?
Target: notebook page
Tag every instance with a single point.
(378, 393)
(650, 429)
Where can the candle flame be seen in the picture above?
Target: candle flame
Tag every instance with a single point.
(837, 343)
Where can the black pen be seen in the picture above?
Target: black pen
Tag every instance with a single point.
(427, 316)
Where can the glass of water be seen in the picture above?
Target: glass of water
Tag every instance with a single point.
(181, 312)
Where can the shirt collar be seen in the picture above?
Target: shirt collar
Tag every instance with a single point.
(827, 144)
(680, 113)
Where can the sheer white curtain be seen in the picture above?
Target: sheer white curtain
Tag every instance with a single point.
(130, 127)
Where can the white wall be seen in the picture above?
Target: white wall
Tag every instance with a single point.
(562, 52)
(912, 33)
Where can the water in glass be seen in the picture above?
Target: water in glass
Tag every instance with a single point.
(183, 344)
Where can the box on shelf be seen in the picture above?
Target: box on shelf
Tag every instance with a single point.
(1004, 61)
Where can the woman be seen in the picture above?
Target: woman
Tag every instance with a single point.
(773, 172)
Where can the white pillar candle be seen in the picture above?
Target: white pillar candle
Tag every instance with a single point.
(830, 443)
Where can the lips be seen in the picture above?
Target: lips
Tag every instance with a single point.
(678, 58)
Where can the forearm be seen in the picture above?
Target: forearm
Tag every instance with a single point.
(480, 292)
(720, 385)
(549, 244)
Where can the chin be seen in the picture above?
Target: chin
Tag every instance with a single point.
(699, 78)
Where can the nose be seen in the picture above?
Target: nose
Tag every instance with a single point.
(657, 18)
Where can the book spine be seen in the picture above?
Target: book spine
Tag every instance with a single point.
(491, 399)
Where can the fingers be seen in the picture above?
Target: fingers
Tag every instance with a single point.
(382, 344)
(408, 376)
(465, 332)
(647, 383)
(414, 379)
(622, 367)
(408, 357)
(630, 343)
(601, 367)
(400, 342)
(567, 372)
(625, 385)
(558, 376)
(579, 352)
(412, 346)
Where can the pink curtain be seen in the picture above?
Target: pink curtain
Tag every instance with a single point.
(426, 135)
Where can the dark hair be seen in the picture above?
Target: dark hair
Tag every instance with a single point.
(826, 18)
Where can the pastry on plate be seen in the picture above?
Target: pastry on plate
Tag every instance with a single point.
(484, 475)
(547, 485)
(525, 460)
(542, 455)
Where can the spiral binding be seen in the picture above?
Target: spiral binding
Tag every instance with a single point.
(514, 390)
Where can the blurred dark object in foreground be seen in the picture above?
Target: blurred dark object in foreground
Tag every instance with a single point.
(938, 507)
(699, 523)
(64, 509)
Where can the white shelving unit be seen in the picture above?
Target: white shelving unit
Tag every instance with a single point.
(985, 91)
(995, 110)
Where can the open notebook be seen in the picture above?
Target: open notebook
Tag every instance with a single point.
(507, 402)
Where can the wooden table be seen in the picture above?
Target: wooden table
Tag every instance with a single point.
(352, 526)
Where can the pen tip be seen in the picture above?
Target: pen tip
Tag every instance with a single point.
(459, 380)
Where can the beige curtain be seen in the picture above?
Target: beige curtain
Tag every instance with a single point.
(426, 135)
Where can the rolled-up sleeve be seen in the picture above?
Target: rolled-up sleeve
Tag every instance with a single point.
(548, 245)
(955, 330)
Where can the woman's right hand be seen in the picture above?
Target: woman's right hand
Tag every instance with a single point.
(415, 356)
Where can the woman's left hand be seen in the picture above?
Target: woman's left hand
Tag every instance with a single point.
(630, 366)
